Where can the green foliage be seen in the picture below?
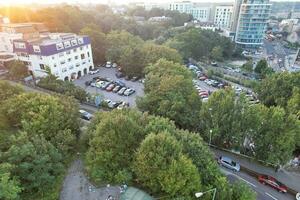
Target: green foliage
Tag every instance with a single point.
(276, 90)
(241, 191)
(113, 141)
(53, 117)
(222, 115)
(161, 166)
(263, 69)
(217, 53)
(9, 187)
(273, 132)
(196, 44)
(17, 70)
(98, 40)
(8, 90)
(248, 66)
(169, 93)
(132, 61)
(64, 87)
(37, 162)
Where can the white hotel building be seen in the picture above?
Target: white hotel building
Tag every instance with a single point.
(67, 55)
(223, 16)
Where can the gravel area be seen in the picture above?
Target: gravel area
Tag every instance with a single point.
(77, 187)
(110, 73)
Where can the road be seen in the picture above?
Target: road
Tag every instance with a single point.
(263, 192)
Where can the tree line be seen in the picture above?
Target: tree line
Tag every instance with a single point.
(228, 120)
(132, 147)
(38, 133)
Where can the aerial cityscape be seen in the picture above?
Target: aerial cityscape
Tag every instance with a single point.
(146, 100)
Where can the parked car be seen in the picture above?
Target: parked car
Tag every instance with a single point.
(99, 84)
(113, 104)
(116, 89)
(119, 75)
(129, 92)
(202, 78)
(213, 63)
(88, 83)
(271, 181)
(135, 78)
(298, 196)
(108, 65)
(120, 83)
(229, 163)
(205, 100)
(122, 90)
(85, 115)
(123, 105)
(93, 84)
(114, 65)
(110, 87)
(105, 85)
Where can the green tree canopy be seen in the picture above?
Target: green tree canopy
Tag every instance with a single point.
(276, 90)
(9, 187)
(161, 166)
(263, 69)
(169, 93)
(8, 90)
(112, 144)
(217, 53)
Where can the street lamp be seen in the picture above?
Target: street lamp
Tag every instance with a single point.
(200, 194)
(210, 132)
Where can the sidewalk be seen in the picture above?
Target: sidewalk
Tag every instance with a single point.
(292, 180)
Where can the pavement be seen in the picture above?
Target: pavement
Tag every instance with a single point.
(263, 192)
(110, 73)
(290, 179)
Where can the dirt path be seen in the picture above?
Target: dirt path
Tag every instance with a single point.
(77, 187)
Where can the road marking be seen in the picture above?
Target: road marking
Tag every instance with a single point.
(247, 182)
(270, 196)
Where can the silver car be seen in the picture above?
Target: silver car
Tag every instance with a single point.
(229, 163)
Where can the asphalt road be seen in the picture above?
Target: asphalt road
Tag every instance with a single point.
(263, 192)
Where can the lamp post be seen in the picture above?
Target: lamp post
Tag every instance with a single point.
(210, 132)
(200, 194)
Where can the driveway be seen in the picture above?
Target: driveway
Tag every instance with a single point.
(110, 73)
(77, 187)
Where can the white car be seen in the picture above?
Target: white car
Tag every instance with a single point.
(108, 65)
(298, 196)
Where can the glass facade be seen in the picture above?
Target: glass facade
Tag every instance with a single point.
(252, 23)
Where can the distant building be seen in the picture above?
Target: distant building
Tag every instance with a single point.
(223, 16)
(203, 25)
(11, 31)
(67, 55)
(201, 13)
(251, 22)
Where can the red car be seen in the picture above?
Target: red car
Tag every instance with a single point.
(202, 78)
(110, 87)
(271, 181)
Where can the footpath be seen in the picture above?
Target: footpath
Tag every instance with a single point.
(290, 179)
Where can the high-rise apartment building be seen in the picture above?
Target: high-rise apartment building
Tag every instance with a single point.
(223, 16)
(251, 22)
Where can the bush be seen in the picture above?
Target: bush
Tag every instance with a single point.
(59, 86)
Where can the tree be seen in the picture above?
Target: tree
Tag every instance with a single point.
(8, 90)
(241, 191)
(112, 143)
(248, 66)
(277, 89)
(56, 118)
(17, 70)
(217, 53)
(118, 42)
(221, 119)
(168, 93)
(98, 40)
(132, 61)
(9, 186)
(157, 161)
(273, 133)
(263, 69)
(36, 162)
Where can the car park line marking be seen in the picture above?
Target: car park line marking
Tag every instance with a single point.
(270, 196)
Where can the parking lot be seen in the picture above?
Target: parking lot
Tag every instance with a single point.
(110, 73)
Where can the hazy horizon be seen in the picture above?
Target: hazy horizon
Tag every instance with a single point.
(13, 2)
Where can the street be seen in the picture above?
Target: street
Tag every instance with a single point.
(263, 192)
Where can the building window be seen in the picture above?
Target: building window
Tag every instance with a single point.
(76, 57)
(55, 65)
(77, 65)
(61, 54)
(81, 48)
(69, 59)
(62, 62)
(52, 57)
(82, 56)
(74, 50)
(64, 69)
(88, 54)
(42, 66)
(71, 67)
(68, 52)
